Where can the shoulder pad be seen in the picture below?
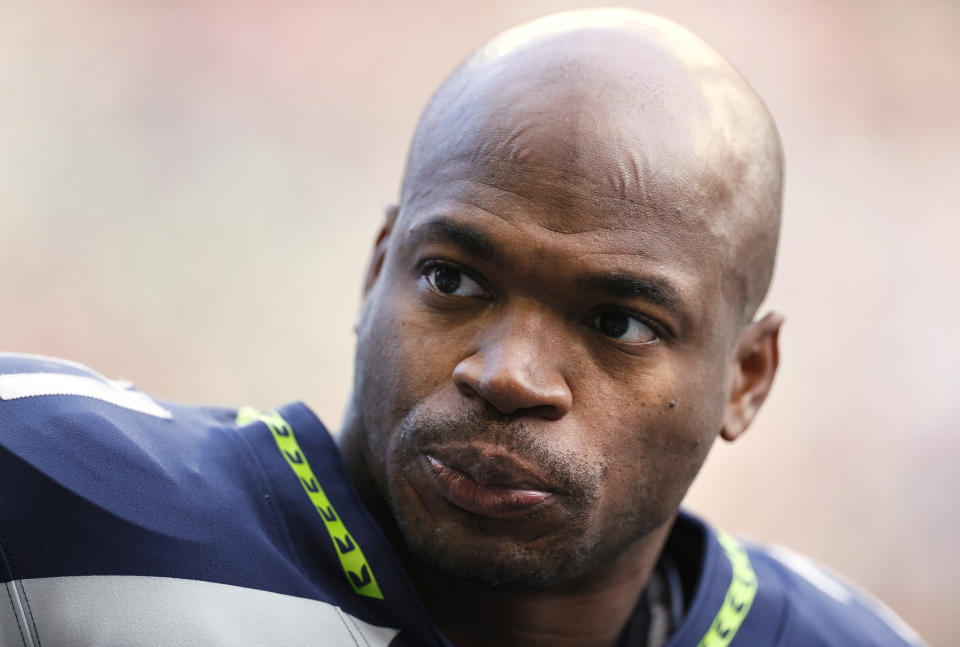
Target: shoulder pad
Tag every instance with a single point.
(823, 608)
(33, 376)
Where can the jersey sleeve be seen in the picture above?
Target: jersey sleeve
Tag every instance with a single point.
(822, 609)
(134, 521)
(73, 446)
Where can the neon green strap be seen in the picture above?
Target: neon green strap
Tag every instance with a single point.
(354, 564)
(740, 595)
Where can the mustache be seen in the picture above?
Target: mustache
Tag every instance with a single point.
(422, 429)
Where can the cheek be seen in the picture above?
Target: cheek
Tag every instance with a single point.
(401, 362)
(649, 473)
(653, 451)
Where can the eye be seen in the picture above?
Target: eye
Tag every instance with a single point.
(447, 279)
(622, 327)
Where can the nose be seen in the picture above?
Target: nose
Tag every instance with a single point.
(517, 370)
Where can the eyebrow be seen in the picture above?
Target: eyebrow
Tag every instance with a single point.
(470, 240)
(655, 290)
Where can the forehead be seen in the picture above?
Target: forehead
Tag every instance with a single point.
(574, 193)
(601, 112)
(575, 158)
(580, 169)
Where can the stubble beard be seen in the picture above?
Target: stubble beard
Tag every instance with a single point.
(474, 549)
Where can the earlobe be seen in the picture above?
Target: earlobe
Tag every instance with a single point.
(755, 363)
(380, 248)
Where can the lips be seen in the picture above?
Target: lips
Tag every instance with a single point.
(487, 484)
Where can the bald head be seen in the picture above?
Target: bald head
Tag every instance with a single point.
(617, 106)
(587, 221)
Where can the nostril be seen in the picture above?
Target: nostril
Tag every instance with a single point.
(513, 398)
(546, 411)
(514, 383)
(467, 376)
(465, 389)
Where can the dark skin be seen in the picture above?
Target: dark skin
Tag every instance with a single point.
(558, 322)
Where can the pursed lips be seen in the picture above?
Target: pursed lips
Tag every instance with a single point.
(486, 481)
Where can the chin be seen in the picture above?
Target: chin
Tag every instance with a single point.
(487, 552)
(492, 561)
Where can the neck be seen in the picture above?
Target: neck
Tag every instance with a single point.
(590, 612)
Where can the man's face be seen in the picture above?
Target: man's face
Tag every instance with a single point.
(542, 361)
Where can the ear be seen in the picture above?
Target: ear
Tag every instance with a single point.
(380, 248)
(755, 362)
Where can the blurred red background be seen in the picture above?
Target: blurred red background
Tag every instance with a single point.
(190, 190)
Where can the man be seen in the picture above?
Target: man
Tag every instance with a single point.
(559, 319)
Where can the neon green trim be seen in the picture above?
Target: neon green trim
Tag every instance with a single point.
(355, 565)
(740, 595)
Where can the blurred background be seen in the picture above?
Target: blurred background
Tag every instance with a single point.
(189, 192)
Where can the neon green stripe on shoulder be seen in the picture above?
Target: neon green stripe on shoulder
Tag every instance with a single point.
(739, 598)
(354, 564)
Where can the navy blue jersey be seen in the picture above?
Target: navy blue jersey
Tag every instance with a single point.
(127, 520)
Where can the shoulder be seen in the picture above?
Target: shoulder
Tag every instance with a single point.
(46, 402)
(80, 454)
(820, 607)
(58, 416)
(135, 508)
(748, 595)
